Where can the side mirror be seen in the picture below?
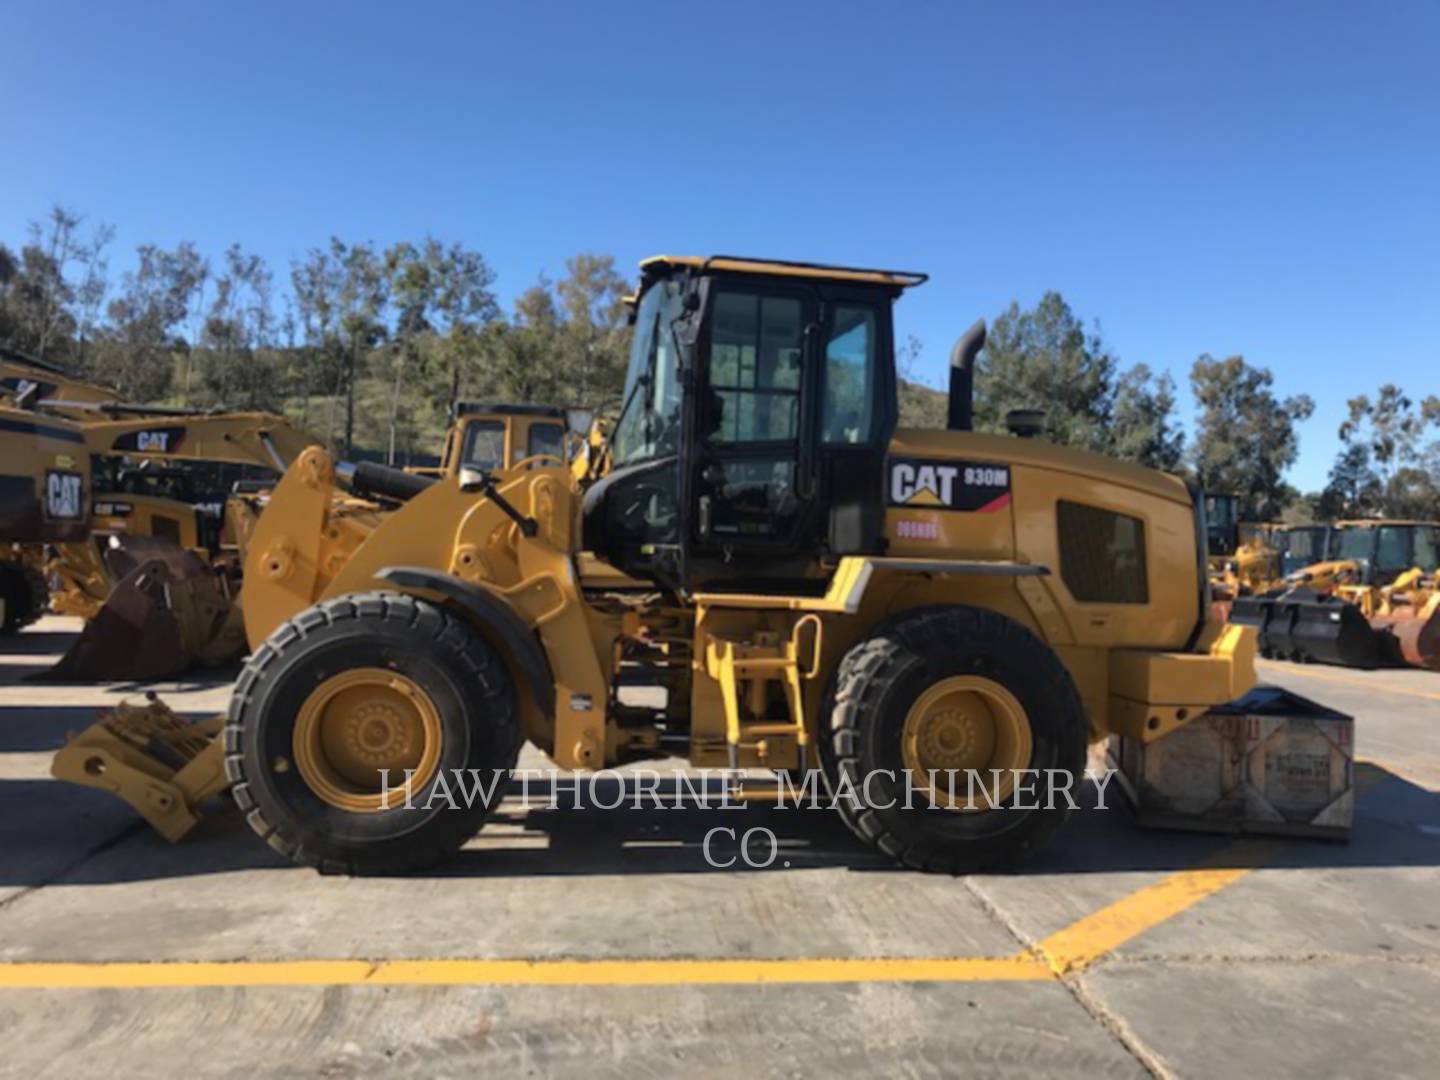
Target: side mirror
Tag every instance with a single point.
(473, 479)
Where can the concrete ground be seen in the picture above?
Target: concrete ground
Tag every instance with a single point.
(601, 943)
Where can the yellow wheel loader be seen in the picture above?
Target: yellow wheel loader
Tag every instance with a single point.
(1370, 602)
(44, 498)
(795, 581)
(24, 384)
(494, 435)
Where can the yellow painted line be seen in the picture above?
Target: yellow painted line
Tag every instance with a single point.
(49, 976)
(710, 972)
(128, 976)
(1362, 684)
(1082, 943)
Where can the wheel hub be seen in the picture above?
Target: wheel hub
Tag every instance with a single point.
(360, 725)
(966, 724)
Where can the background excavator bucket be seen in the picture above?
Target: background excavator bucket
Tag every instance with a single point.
(1416, 636)
(167, 611)
(1307, 626)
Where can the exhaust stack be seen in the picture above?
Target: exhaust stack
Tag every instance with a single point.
(962, 377)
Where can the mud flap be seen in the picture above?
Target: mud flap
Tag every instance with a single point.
(166, 611)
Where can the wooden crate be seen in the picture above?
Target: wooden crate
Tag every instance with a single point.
(1271, 763)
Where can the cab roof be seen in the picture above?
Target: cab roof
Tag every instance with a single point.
(658, 265)
(496, 408)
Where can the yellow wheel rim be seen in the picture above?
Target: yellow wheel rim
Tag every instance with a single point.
(965, 722)
(358, 724)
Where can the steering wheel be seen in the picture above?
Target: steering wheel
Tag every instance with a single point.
(646, 506)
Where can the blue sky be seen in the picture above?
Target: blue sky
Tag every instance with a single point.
(1253, 178)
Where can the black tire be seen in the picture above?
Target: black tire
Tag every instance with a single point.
(464, 677)
(39, 592)
(882, 676)
(17, 593)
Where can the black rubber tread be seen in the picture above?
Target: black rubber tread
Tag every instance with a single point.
(18, 588)
(39, 593)
(882, 674)
(489, 702)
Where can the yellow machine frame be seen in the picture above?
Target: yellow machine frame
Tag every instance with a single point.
(752, 669)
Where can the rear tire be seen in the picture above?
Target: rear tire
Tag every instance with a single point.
(884, 678)
(39, 593)
(25, 594)
(473, 724)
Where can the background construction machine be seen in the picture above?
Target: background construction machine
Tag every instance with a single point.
(797, 581)
(1247, 558)
(44, 498)
(158, 578)
(24, 383)
(495, 435)
(1371, 601)
(23, 377)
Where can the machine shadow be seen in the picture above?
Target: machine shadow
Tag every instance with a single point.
(32, 642)
(39, 728)
(615, 836)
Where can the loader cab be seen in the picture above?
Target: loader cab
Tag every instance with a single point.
(1301, 546)
(1222, 523)
(490, 435)
(759, 404)
(1386, 549)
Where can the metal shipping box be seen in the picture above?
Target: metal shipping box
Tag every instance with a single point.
(1272, 762)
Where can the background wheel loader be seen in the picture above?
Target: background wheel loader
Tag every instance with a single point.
(799, 583)
(496, 435)
(24, 383)
(44, 498)
(1372, 601)
(1247, 558)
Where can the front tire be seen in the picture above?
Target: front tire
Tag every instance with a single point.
(360, 684)
(957, 688)
(26, 596)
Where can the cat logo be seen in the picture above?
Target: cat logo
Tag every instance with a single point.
(971, 486)
(64, 495)
(918, 484)
(157, 440)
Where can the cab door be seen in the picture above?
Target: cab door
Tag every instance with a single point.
(750, 473)
(857, 412)
(795, 407)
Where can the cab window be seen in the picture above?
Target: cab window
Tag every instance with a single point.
(544, 439)
(755, 352)
(649, 426)
(1427, 548)
(484, 445)
(850, 376)
(1392, 549)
